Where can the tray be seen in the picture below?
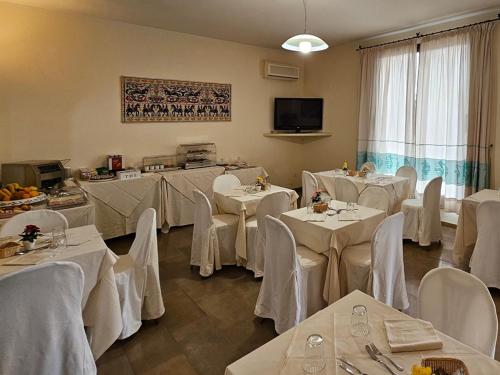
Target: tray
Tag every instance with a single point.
(19, 202)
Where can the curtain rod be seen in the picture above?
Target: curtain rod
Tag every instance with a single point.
(419, 35)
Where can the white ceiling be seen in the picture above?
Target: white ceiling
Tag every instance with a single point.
(270, 22)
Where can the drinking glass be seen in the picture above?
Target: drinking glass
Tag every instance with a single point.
(59, 239)
(359, 321)
(350, 206)
(310, 208)
(314, 358)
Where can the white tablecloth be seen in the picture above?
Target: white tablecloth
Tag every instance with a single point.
(284, 354)
(331, 237)
(100, 301)
(396, 186)
(118, 204)
(466, 235)
(245, 205)
(76, 216)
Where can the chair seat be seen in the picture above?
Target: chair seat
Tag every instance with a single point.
(223, 220)
(359, 255)
(251, 222)
(123, 264)
(309, 258)
(412, 203)
(355, 264)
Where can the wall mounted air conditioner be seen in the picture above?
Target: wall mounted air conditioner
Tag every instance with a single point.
(281, 71)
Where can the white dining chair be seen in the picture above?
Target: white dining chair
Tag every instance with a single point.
(309, 186)
(411, 174)
(42, 328)
(377, 267)
(459, 305)
(225, 182)
(346, 190)
(46, 220)
(423, 216)
(138, 278)
(370, 166)
(214, 237)
(273, 205)
(292, 287)
(485, 260)
(375, 197)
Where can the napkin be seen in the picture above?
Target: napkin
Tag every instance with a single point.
(411, 335)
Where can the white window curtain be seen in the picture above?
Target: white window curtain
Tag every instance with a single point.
(440, 114)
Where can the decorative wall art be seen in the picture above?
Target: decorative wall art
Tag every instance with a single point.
(162, 100)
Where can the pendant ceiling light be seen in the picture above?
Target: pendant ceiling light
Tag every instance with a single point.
(305, 43)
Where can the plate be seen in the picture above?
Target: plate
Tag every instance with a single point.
(19, 202)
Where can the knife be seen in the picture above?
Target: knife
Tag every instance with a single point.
(351, 365)
(345, 368)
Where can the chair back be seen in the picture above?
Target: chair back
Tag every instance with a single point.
(370, 166)
(309, 186)
(42, 330)
(145, 242)
(375, 197)
(485, 260)
(431, 219)
(279, 293)
(46, 220)
(460, 305)
(346, 190)
(273, 205)
(411, 174)
(388, 274)
(225, 182)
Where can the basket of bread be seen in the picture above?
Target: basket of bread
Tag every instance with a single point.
(8, 247)
(14, 194)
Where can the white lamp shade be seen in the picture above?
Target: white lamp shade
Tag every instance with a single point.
(305, 43)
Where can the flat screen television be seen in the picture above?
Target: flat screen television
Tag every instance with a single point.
(298, 114)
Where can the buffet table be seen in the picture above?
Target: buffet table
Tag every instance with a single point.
(76, 216)
(100, 300)
(285, 353)
(466, 236)
(119, 203)
(396, 186)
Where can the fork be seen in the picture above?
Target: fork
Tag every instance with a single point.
(378, 352)
(376, 359)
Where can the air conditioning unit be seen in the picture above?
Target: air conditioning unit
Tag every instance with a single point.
(280, 71)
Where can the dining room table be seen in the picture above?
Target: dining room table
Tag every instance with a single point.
(285, 354)
(100, 300)
(466, 234)
(396, 186)
(243, 202)
(329, 234)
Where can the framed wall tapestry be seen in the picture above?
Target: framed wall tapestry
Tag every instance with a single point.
(162, 100)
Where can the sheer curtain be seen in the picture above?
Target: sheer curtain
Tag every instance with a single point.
(387, 103)
(430, 110)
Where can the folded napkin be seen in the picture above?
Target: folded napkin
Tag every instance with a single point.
(411, 335)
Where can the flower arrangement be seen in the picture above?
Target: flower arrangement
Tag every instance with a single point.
(318, 205)
(30, 233)
(262, 182)
(316, 196)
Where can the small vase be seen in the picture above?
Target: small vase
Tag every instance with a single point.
(29, 245)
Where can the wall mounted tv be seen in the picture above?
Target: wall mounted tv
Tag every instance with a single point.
(298, 114)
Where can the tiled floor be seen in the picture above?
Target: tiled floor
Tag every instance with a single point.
(209, 323)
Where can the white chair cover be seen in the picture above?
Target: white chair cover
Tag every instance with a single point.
(370, 166)
(423, 217)
(460, 305)
(214, 237)
(485, 260)
(138, 277)
(411, 174)
(375, 197)
(309, 186)
(346, 190)
(292, 286)
(273, 205)
(46, 220)
(377, 268)
(225, 182)
(42, 328)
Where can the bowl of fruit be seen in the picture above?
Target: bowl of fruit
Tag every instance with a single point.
(12, 195)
